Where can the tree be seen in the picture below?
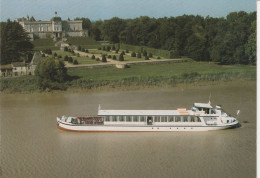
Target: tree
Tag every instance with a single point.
(112, 28)
(75, 62)
(139, 55)
(114, 57)
(104, 59)
(50, 72)
(70, 60)
(150, 55)
(250, 46)
(145, 53)
(66, 58)
(66, 48)
(133, 54)
(146, 58)
(15, 44)
(121, 57)
(108, 48)
(93, 56)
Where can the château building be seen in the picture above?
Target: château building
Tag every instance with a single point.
(55, 28)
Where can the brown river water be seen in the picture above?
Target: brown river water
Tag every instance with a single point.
(32, 146)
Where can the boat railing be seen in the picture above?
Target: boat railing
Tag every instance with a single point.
(89, 120)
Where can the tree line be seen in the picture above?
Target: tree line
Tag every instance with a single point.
(229, 40)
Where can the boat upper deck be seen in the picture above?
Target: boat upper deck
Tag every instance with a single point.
(145, 112)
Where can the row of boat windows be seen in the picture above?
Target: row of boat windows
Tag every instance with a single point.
(152, 118)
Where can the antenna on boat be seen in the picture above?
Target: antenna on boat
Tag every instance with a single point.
(209, 97)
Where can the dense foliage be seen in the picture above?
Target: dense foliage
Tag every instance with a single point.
(51, 73)
(229, 40)
(15, 44)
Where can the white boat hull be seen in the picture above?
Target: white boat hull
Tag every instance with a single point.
(150, 128)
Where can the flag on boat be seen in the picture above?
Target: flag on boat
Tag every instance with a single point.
(238, 112)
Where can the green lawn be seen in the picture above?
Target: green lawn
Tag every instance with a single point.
(85, 42)
(48, 43)
(162, 70)
(81, 59)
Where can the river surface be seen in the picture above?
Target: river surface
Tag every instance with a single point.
(32, 146)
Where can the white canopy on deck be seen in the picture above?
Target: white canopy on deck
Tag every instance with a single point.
(143, 112)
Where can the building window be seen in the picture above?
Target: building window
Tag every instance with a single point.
(185, 119)
(178, 119)
(192, 119)
(114, 118)
(171, 119)
(135, 119)
(121, 118)
(106, 118)
(156, 119)
(128, 119)
(163, 119)
(142, 119)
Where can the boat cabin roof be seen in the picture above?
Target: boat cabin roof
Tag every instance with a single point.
(143, 112)
(202, 105)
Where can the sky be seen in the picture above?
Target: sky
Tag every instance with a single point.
(106, 9)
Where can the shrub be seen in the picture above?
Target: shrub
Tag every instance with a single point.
(43, 55)
(145, 53)
(108, 48)
(117, 51)
(93, 56)
(66, 48)
(123, 52)
(158, 57)
(70, 60)
(79, 48)
(47, 51)
(69, 50)
(126, 51)
(72, 51)
(99, 48)
(113, 47)
(133, 54)
(109, 56)
(114, 57)
(66, 58)
(82, 50)
(78, 55)
(104, 59)
(97, 59)
(139, 55)
(121, 57)
(86, 50)
(104, 48)
(55, 54)
(59, 56)
(150, 55)
(75, 62)
(146, 58)
(50, 72)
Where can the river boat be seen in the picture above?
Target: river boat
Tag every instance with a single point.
(201, 117)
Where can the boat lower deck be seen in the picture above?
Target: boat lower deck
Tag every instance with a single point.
(148, 128)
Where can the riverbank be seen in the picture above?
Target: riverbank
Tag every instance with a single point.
(137, 77)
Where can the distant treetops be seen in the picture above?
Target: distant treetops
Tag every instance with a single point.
(230, 40)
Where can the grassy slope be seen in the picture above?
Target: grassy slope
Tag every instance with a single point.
(143, 75)
(40, 44)
(84, 42)
(161, 70)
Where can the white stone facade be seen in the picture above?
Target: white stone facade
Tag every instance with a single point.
(55, 28)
